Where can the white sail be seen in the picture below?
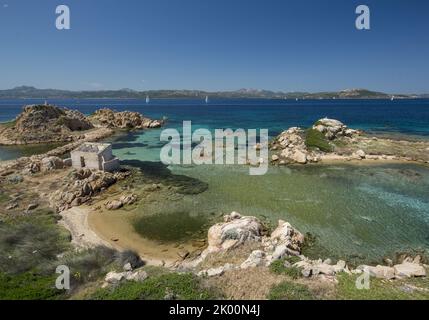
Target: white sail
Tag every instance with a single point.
(207, 99)
(147, 99)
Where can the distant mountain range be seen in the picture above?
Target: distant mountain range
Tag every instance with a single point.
(26, 92)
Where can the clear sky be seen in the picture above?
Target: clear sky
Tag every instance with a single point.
(299, 45)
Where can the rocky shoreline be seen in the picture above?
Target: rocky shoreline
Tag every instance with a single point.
(329, 140)
(55, 124)
(285, 241)
(39, 124)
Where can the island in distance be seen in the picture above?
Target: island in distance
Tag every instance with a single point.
(27, 92)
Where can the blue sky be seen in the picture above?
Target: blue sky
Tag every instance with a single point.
(216, 45)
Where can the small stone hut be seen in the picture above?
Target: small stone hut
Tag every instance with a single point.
(96, 156)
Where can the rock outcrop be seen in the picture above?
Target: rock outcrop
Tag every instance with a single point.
(297, 145)
(47, 124)
(331, 140)
(238, 230)
(333, 129)
(235, 230)
(114, 278)
(123, 120)
(44, 124)
(82, 185)
(284, 242)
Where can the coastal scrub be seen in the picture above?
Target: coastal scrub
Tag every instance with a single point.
(380, 289)
(171, 286)
(290, 291)
(316, 139)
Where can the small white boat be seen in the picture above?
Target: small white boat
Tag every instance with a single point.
(147, 99)
(207, 99)
(393, 98)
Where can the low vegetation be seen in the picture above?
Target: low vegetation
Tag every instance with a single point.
(28, 286)
(407, 289)
(30, 242)
(287, 290)
(93, 264)
(315, 139)
(284, 266)
(171, 286)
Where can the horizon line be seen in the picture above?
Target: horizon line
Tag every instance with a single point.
(215, 91)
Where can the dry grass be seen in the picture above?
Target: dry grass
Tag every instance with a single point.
(249, 284)
(234, 256)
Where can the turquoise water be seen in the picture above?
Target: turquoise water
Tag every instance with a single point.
(359, 212)
(362, 212)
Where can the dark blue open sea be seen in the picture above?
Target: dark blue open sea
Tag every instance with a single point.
(399, 116)
(361, 212)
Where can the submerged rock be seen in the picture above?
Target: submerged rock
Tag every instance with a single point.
(113, 205)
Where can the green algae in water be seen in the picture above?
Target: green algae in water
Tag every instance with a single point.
(173, 226)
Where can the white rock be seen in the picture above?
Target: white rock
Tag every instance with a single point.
(361, 154)
(279, 252)
(234, 231)
(299, 157)
(255, 259)
(113, 205)
(320, 128)
(408, 269)
(138, 275)
(322, 268)
(128, 267)
(116, 277)
(382, 272)
(213, 272)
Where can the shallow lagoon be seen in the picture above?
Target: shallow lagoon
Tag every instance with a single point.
(357, 211)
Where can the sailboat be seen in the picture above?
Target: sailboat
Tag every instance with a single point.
(207, 99)
(147, 99)
(392, 98)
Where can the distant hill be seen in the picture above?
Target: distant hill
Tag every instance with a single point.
(26, 92)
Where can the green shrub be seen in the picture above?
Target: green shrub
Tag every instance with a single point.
(86, 265)
(174, 285)
(316, 139)
(278, 267)
(290, 291)
(92, 264)
(28, 286)
(293, 272)
(31, 242)
(380, 289)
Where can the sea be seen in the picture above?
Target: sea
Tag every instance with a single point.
(360, 212)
